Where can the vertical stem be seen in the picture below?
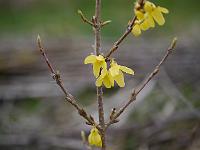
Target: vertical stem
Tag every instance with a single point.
(97, 31)
(101, 115)
(98, 27)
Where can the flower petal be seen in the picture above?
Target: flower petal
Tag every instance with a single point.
(96, 69)
(149, 6)
(127, 70)
(150, 21)
(144, 25)
(136, 30)
(90, 140)
(90, 59)
(100, 58)
(107, 82)
(111, 79)
(97, 140)
(163, 10)
(94, 138)
(114, 70)
(103, 73)
(99, 82)
(158, 16)
(120, 79)
(104, 65)
(139, 15)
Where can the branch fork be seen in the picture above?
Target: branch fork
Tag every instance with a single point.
(93, 22)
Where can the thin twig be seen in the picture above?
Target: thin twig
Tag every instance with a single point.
(84, 18)
(56, 76)
(137, 91)
(126, 33)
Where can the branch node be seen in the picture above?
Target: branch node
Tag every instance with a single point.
(94, 20)
(115, 121)
(133, 95)
(82, 112)
(88, 123)
(155, 71)
(91, 118)
(56, 76)
(113, 112)
(129, 27)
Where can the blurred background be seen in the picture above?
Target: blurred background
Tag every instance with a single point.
(33, 112)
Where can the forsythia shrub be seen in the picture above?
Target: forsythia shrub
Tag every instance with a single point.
(106, 69)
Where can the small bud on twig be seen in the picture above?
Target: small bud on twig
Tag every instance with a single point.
(174, 41)
(105, 23)
(38, 39)
(84, 18)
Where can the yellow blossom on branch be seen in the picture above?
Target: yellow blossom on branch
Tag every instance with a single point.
(94, 139)
(98, 62)
(136, 29)
(146, 16)
(115, 73)
(155, 12)
(106, 79)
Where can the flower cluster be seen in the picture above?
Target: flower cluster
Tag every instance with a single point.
(94, 138)
(147, 16)
(107, 76)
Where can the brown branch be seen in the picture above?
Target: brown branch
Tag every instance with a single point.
(137, 91)
(84, 18)
(126, 33)
(97, 31)
(56, 76)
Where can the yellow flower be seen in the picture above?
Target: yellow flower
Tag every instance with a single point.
(106, 79)
(116, 71)
(155, 12)
(98, 63)
(148, 22)
(94, 138)
(136, 29)
(146, 16)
